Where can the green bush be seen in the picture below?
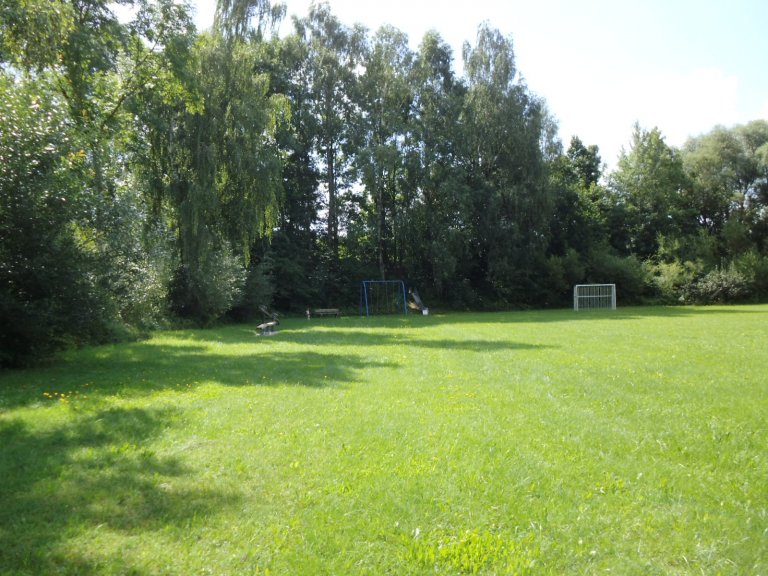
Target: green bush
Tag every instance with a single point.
(673, 280)
(135, 261)
(754, 267)
(143, 306)
(720, 286)
(51, 294)
(627, 273)
(563, 272)
(206, 291)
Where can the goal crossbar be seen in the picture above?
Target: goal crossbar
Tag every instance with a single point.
(594, 297)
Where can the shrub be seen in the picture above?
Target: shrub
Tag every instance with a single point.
(673, 280)
(207, 290)
(562, 273)
(754, 267)
(719, 286)
(51, 295)
(144, 304)
(627, 273)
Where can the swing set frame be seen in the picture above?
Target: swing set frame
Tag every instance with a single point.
(393, 300)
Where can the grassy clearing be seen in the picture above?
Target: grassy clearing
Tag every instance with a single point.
(524, 443)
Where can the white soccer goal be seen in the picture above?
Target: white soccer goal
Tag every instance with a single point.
(594, 297)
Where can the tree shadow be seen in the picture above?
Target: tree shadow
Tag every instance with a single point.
(355, 337)
(146, 367)
(354, 331)
(188, 358)
(61, 482)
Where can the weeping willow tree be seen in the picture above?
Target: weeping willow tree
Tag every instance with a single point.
(239, 19)
(213, 164)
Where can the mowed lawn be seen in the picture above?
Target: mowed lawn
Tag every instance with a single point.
(555, 442)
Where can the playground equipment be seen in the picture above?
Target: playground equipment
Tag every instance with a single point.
(382, 297)
(267, 328)
(416, 303)
(388, 297)
(270, 320)
(269, 315)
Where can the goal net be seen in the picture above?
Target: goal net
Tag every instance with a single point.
(382, 297)
(594, 297)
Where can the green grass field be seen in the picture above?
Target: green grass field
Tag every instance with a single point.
(552, 442)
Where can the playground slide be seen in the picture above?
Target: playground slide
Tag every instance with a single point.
(417, 300)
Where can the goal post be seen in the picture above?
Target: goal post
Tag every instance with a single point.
(594, 297)
(382, 297)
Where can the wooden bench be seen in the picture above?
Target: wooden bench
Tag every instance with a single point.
(267, 328)
(326, 312)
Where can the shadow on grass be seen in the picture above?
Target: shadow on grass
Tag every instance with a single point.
(61, 482)
(355, 337)
(178, 360)
(145, 367)
(370, 332)
(325, 359)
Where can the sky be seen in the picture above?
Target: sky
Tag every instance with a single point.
(683, 66)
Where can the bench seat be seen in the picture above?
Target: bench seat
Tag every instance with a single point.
(326, 312)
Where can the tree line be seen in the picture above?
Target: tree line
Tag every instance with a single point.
(152, 174)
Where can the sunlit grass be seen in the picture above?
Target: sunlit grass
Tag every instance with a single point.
(554, 442)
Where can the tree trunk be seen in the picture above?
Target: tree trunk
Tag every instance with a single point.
(333, 216)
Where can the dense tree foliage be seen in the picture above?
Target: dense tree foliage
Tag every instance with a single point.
(150, 172)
